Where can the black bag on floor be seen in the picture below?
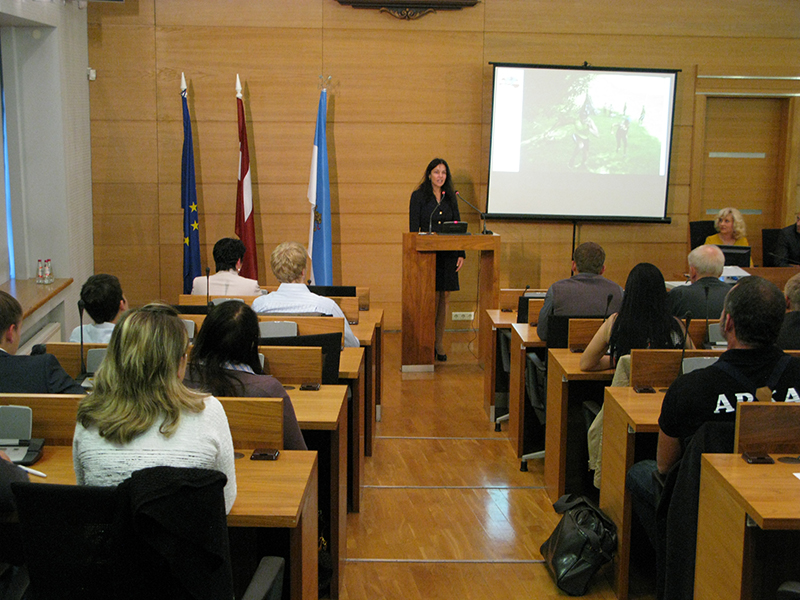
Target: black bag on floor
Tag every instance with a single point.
(583, 541)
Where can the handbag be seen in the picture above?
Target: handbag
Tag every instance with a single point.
(584, 540)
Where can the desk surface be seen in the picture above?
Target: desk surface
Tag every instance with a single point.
(570, 363)
(769, 494)
(368, 321)
(32, 295)
(320, 409)
(350, 362)
(269, 493)
(501, 319)
(641, 410)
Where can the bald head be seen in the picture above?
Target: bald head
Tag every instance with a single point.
(706, 261)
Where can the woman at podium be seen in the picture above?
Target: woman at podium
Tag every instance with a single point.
(433, 203)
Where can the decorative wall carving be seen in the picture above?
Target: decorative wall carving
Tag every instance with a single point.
(409, 9)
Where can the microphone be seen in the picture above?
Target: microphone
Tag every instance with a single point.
(706, 340)
(688, 319)
(608, 304)
(435, 210)
(786, 258)
(480, 213)
(208, 287)
(80, 312)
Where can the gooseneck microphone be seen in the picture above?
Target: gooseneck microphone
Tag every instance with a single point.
(688, 319)
(707, 339)
(80, 312)
(208, 287)
(438, 209)
(480, 213)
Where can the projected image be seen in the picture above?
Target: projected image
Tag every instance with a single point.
(594, 122)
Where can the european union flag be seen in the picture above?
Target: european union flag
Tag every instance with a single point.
(191, 218)
(319, 195)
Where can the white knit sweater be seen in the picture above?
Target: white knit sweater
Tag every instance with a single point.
(201, 440)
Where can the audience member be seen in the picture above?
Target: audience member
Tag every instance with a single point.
(288, 262)
(704, 296)
(643, 321)
(141, 415)
(103, 299)
(789, 336)
(224, 361)
(751, 319)
(787, 247)
(732, 231)
(40, 374)
(228, 254)
(586, 293)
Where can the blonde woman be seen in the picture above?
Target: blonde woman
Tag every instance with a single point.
(730, 225)
(140, 413)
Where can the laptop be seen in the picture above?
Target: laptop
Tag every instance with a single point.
(16, 423)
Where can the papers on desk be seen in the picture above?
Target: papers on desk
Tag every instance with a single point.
(796, 475)
(733, 274)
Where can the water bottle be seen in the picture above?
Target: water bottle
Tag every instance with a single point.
(40, 272)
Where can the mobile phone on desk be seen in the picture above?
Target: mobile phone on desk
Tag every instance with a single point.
(757, 458)
(309, 387)
(644, 389)
(265, 454)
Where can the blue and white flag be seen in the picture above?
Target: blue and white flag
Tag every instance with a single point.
(191, 218)
(319, 195)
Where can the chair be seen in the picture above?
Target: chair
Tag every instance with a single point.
(94, 357)
(331, 344)
(699, 231)
(769, 242)
(190, 327)
(273, 329)
(162, 533)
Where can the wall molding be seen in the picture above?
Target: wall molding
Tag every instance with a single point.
(409, 9)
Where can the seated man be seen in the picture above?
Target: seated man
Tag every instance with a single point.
(751, 319)
(103, 299)
(787, 248)
(288, 262)
(586, 293)
(40, 374)
(705, 295)
(228, 254)
(789, 336)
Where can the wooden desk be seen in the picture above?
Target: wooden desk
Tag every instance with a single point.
(626, 414)
(276, 494)
(322, 416)
(731, 494)
(369, 332)
(31, 295)
(523, 338)
(563, 371)
(351, 369)
(498, 320)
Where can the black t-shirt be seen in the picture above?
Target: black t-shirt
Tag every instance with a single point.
(711, 394)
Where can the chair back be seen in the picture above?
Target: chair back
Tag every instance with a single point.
(190, 328)
(697, 330)
(771, 427)
(119, 542)
(581, 332)
(222, 300)
(350, 307)
(255, 422)
(509, 297)
(69, 355)
(54, 415)
(659, 368)
(331, 344)
(292, 364)
(309, 325)
(769, 242)
(699, 231)
(199, 300)
(270, 329)
(94, 357)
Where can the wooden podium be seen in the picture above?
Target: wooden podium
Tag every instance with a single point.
(419, 290)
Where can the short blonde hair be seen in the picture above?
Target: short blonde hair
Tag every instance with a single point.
(288, 261)
(138, 383)
(792, 291)
(739, 230)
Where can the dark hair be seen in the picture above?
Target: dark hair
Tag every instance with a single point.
(757, 308)
(229, 335)
(589, 257)
(101, 295)
(427, 188)
(644, 320)
(10, 311)
(227, 252)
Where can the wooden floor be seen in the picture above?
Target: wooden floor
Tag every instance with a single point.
(446, 512)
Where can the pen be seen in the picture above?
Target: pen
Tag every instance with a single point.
(32, 471)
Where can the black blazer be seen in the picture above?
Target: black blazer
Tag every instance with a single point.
(40, 374)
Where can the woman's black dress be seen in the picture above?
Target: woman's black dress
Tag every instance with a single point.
(422, 207)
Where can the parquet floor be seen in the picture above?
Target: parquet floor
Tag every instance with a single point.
(446, 512)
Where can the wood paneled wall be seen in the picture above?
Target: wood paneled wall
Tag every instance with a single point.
(401, 93)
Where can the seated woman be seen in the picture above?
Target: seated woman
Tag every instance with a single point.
(643, 321)
(730, 225)
(224, 361)
(140, 413)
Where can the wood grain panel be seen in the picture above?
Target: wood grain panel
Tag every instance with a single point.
(241, 13)
(126, 230)
(255, 422)
(124, 152)
(369, 85)
(768, 427)
(137, 268)
(130, 12)
(287, 59)
(54, 415)
(336, 16)
(220, 198)
(279, 152)
(772, 18)
(126, 198)
(125, 60)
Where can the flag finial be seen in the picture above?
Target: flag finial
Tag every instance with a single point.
(183, 82)
(238, 87)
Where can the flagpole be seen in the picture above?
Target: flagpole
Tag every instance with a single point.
(245, 218)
